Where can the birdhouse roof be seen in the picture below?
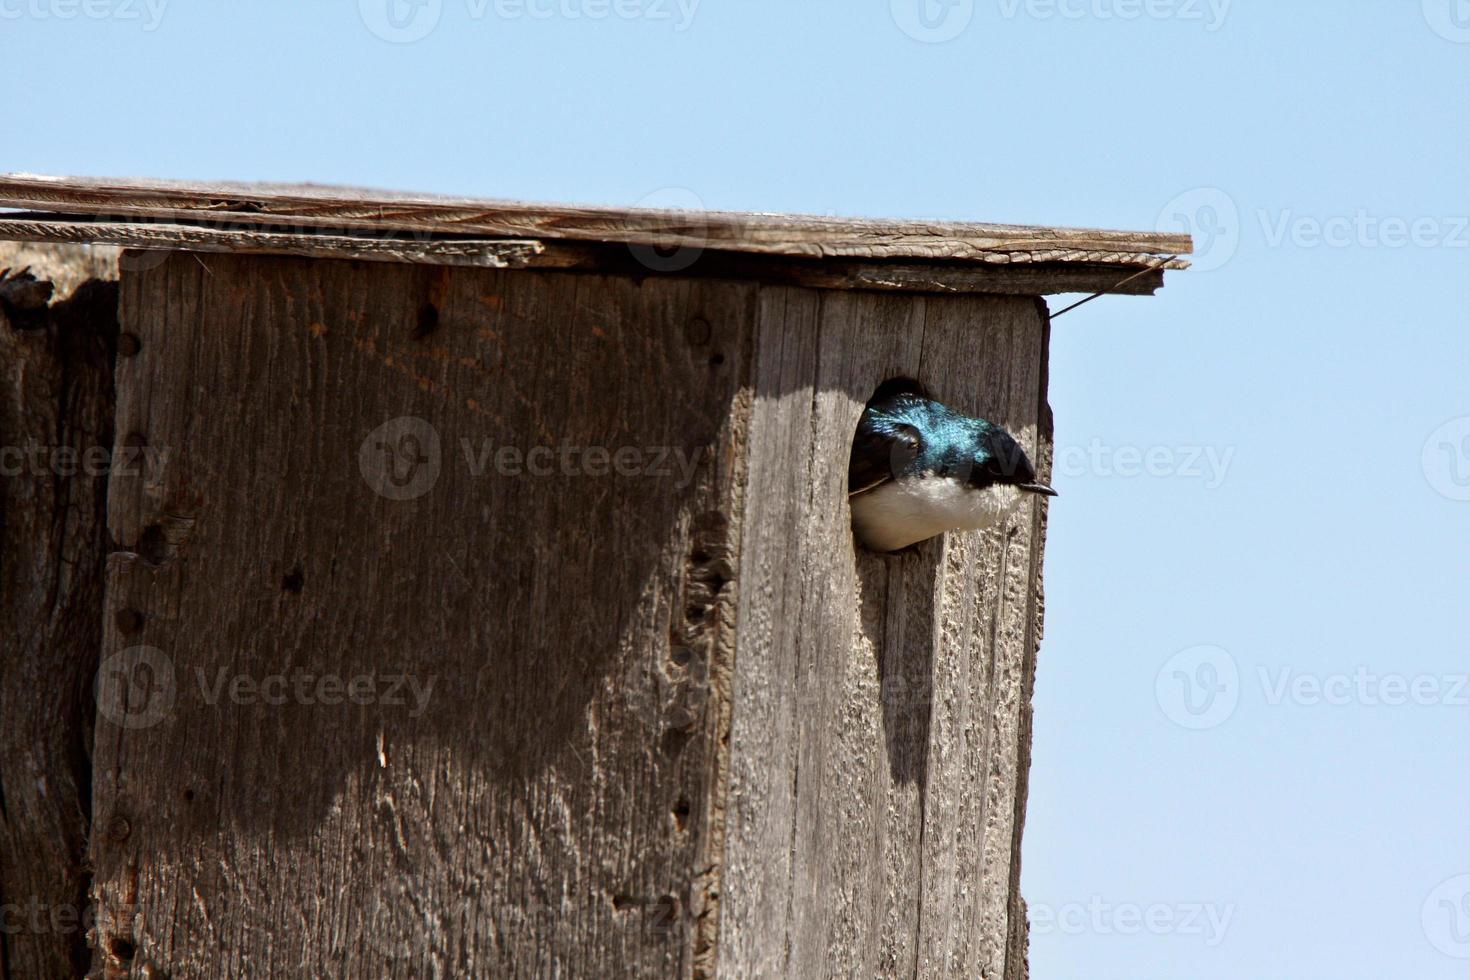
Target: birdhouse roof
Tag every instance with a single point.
(343, 222)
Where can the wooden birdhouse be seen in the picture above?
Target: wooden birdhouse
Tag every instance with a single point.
(467, 588)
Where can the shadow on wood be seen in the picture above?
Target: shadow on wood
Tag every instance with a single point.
(897, 601)
(401, 676)
(55, 431)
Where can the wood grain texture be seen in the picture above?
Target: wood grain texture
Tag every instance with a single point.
(655, 723)
(552, 811)
(880, 703)
(1117, 274)
(55, 435)
(247, 240)
(1065, 272)
(798, 235)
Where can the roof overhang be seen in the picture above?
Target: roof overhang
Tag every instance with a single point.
(350, 223)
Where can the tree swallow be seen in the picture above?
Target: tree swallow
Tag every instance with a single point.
(919, 469)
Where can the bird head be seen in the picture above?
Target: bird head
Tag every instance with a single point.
(905, 434)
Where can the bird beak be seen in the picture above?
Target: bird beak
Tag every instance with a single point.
(1040, 488)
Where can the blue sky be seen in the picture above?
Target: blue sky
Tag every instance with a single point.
(1252, 727)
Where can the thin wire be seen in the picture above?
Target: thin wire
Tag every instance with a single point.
(1117, 285)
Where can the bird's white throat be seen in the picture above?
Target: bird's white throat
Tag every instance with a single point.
(903, 512)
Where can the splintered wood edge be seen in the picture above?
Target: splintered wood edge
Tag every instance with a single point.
(1098, 273)
(776, 234)
(193, 238)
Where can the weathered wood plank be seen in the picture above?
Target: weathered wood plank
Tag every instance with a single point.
(1032, 278)
(1039, 276)
(983, 608)
(248, 240)
(669, 726)
(893, 766)
(552, 810)
(844, 773)
(800, 235)
(55, 442)
(756, 900)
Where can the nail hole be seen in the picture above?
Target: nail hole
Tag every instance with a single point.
(122, 948)
(294, 580)
(129, 621)
(698, 331)
(128, 344)
(681, 813)
(717, 360)
(188, 796)
(622, 902)
(428, 321)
